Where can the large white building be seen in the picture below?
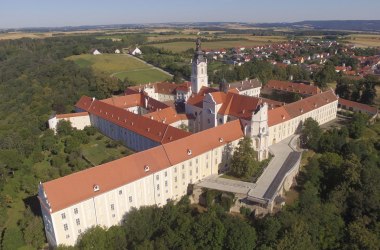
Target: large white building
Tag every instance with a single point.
(170, 159)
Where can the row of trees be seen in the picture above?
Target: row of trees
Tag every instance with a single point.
(363, 91)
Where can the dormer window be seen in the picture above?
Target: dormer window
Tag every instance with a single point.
(96, 188)
(189, 152)
(221, 140)
(146, 168)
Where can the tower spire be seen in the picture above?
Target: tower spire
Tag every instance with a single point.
(199, 76)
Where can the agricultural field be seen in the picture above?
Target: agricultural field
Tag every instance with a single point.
(18, 35)
(259, 39)
(122, 67)
(363, 40)
(183, 46)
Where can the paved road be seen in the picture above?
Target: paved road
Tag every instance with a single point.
(285, 155)
(281, 152)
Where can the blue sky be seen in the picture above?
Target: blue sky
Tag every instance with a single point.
(50, 13)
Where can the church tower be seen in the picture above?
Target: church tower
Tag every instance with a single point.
(199, 76)
(259, 131)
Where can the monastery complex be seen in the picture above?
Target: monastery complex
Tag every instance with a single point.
(174, 149)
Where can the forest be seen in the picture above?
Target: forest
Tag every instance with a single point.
(338, 205)
(35, 82)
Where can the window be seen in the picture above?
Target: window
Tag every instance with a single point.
(77, 221)
(67, 236)
(190, 163)
(196, 161)
(63, 216)
(79, 231)
(183, 176)
(175, 170)
(175, 179)
(158, 186)
(157, 177)
(113, 215)
(75, 210)
(112, 207)
(166, 174)
(120, 192)
(65, 227)
(130, 198)
(196, 170)
(183, 166)
(191, 172)
(166, 183)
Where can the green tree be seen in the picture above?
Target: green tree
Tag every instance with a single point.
(369, 93)
(296, 238)
(64, 128)
(357, 125)
(239, 235)
(32, 229)
(244, 159)
(326, 75)
(310, 134)
(208, 232)
(93, 238)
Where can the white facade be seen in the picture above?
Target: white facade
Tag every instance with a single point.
(199, 77)
(254, 92)
(287, 128)
(107, 209)
(78, 122)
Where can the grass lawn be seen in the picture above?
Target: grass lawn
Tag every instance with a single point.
(121, 66)
(97, 151)
(143, 75)
(183, 46)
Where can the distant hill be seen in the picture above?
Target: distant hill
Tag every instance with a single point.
(352, 25)
(341, 25)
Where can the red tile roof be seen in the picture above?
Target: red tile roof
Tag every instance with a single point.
(77, 187)
(144, 126)
(239, 106)
(357, 105)
(61, 116)
(277, 115)
(244, 85)
(197, 100)
(126, 101)
(219, 97)
(203, 141)
(293, 87)
(167, 115)
(134, 100)
(310, 103)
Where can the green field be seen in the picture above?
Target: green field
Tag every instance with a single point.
(122, 67)
(183, 46)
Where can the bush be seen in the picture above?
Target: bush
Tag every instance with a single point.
(245, 211)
